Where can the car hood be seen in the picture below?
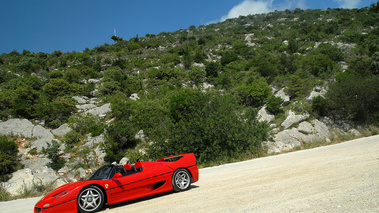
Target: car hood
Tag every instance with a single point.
(50, 199)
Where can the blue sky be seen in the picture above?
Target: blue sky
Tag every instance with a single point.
(73, 25)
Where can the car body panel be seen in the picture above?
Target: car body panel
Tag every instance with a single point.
(152, 178)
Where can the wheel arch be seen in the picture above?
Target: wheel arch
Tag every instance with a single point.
(189, 172)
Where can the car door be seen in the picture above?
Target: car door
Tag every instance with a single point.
(130, 186)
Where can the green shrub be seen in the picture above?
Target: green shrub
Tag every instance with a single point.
(297, 86)
(274, 105)
(355, 98)
(300, 107)
(119, 137)
(52, 152)
(253, 90)
(320, 105)
(196, 74)
(212, 69)
(333, 52)
(72, 137)
(320, 65)
(96, 129)
(4, 194)
(198, 123)
(9, 161)
(55, 112)
(228, 58)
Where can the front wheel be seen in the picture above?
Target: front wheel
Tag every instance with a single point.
(90, 199)
(181, 180)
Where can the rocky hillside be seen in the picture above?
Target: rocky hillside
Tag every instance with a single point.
(227, 91)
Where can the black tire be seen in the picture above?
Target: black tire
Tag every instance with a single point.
(181, 180)
(90, 199)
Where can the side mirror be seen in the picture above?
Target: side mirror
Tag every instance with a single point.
(117, 175)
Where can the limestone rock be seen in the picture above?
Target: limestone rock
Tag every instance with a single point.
(264, 115)
(25, 178)
(106, 108)
(94, 141)
(86, 107)
(295, 137)
(43, 137)
(36, 164)
(60, 182)
(100, 154)
(321, 129)
(306, 128)
(317, 91)
(82, 172)
(62, 130)
(293, 119)
(134, 97)
(124, 161)
(354, 132)
(63, 170)
(20, 180)
(20, 127)
(80, 100)
(140, 136)
(286, 98)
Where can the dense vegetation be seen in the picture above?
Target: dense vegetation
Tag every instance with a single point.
(9, 161)
(242, 58)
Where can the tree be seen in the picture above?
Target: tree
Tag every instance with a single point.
(297, 86)
(119, 138)
(116, 39)
(274, 105)
(52, 152)
(355, 98)
(320, 105)
(25, 102)
(253, 90)
(228, 58)
(57, 87)
(198, 123)
(9, 161)
(196, 74)
(72, 75)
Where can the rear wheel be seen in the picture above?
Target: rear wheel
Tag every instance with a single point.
(181, 180)
(90, 199)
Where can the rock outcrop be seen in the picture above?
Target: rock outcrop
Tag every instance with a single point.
(305, 133)
(38, 135)
(293, 119)
(35, 172)
(17, 127)
(264, 115)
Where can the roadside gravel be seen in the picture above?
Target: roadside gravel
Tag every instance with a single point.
(337, 178)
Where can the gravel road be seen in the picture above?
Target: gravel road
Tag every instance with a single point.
(337, 178)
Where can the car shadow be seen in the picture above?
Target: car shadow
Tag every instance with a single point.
(126, 203)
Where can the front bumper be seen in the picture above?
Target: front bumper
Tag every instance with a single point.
(67, 207)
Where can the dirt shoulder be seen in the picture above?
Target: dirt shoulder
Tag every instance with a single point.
(337, 178)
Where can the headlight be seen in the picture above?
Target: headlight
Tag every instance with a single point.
(62, 194)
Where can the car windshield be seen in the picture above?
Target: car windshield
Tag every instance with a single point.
(102, 173)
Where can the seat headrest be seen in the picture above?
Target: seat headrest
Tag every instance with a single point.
(138, 165)
(127, 167)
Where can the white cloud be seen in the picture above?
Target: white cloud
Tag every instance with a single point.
(249, 7)
(348, 3)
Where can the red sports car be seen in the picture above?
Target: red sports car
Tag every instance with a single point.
(112, 184)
